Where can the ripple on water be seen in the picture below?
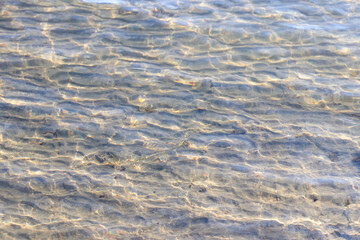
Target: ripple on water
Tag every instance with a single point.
(181, 119)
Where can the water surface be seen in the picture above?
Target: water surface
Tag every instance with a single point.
(179, 119)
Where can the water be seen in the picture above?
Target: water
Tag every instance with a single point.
(179, 119)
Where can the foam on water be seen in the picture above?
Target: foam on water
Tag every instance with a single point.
(179, 119)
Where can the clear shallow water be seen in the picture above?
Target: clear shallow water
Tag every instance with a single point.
(179, 120)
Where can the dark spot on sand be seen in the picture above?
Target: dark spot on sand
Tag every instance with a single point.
(238, 131)
(202, 189)
(157, 167)
(314, 198)
(348, 201)
(200, 220)
(138, 153)
(149, 109)
(99, 159)
(212, 198)
(356, 159)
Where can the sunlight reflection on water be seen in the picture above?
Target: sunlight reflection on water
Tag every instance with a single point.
(179, 119)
